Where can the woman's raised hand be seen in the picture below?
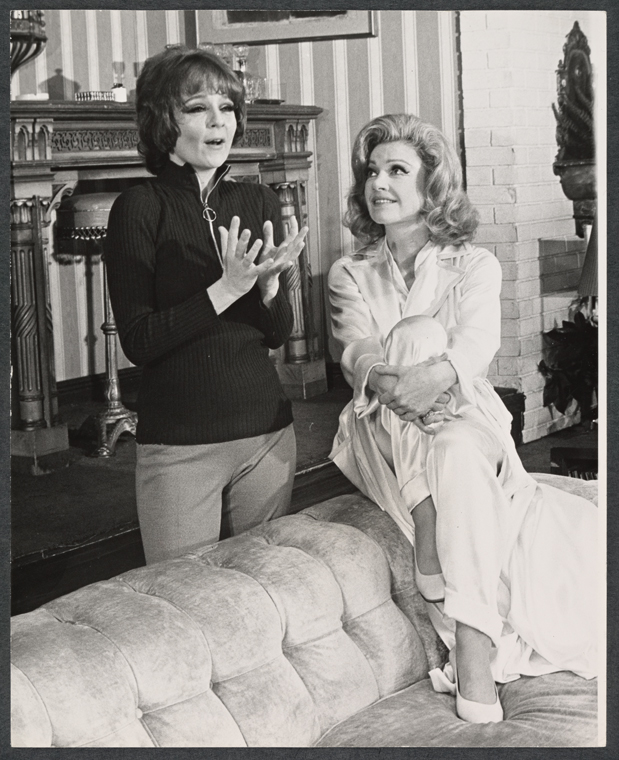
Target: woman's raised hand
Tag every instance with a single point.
(240, 273)
(281, 258)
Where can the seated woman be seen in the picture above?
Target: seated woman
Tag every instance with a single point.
(508, 566)
(199, 311)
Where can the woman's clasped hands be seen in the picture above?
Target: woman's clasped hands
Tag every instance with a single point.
(411, 392)
(241, 271)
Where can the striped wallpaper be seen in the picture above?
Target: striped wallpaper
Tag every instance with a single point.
(409, 66)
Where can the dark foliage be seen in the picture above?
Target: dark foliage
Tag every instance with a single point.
(570, 365)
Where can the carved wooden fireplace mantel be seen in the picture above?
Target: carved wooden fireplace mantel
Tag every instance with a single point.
(62, 149)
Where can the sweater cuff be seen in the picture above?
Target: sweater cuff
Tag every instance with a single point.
(276, 320)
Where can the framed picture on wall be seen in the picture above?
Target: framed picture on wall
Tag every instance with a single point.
(260, 27)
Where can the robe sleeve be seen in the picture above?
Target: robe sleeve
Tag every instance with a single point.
(354, 329)
(476, 337)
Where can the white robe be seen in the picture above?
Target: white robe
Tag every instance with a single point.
(544, 625)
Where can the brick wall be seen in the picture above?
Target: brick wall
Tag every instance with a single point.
(509, 59)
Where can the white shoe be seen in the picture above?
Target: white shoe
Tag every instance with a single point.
(475, 712)
(431, 587)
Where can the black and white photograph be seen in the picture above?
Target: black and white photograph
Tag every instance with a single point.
(308, 398)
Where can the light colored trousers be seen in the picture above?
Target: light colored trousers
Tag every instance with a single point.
(188, 496)
(473, 521)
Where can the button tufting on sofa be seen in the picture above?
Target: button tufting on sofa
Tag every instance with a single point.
(305, 631)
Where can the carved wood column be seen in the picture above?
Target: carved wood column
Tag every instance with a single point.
(36, 430)
(38, 441)
(303, 373)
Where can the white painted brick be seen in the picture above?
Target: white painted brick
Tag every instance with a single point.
(500, 59)
(506, 252)
(505, 213)
(527, 288)
(530, 325)
(496, 233)
(519, 78)
(547, 133)
(527, 269)
(490, 156)
(528, 40)
(509, 328)
(517, 136)
(540, 80)
(517, 251)
(535, 399)
(558, 302)
(541, 117)
(531, 344)
(520, 117)
(536, 230)
(488, 117)
(478, 175)
(472, 20)
(477, 79)
(508, 289)
(541, 431)
(476, 99)
(486, 214)
(509, 365)
(509, 347)
(532, 382)
(521, 155)
(528, 364)
(536, 417)
(532, 212)
(474, 59)
(529, 308)
(484, 39)
(499, 78)
(492, 194)
(476, 138)
(532, 192)
(501, 99)
(505, 19)
(509, 309)
(504, 175)
(544, 154)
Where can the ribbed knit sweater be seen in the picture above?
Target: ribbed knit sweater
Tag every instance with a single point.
(206, 378)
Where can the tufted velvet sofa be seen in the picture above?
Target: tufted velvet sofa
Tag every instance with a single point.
(306, 631)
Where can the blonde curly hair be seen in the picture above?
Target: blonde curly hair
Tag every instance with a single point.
(447, 211)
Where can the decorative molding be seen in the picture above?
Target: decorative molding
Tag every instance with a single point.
(84, 140)
(257, 137)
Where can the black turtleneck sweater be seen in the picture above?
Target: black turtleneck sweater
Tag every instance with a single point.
(206, 378)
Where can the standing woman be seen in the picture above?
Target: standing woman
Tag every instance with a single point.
(507, 566)
(196, 266)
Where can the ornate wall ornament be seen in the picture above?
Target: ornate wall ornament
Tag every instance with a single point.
(84, 140)
(575, 161)
(574, 108)
(257, 137)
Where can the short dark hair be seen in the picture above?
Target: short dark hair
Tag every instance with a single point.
(447, 211)
(165, 80)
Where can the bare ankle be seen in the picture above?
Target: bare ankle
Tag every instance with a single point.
(424, 517)
(475, 679)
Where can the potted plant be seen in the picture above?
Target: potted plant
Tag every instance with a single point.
(570, 363)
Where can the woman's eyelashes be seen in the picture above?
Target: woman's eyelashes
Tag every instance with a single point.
(199, 107)
(394, 170)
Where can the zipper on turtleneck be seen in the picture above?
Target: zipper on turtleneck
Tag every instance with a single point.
(210, 215)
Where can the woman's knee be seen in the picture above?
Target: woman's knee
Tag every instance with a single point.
(414, 339)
